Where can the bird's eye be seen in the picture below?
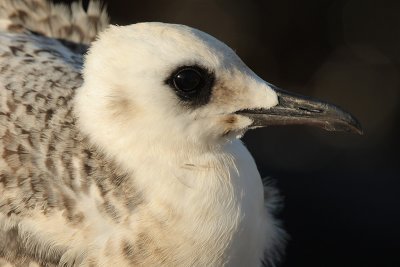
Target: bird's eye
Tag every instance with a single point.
(188, 80)
(192, 84)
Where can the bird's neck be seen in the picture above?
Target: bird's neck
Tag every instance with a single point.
(199, 205)
(210, 204)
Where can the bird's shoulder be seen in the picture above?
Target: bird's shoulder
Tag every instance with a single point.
(38, 79)
(47, 166)
(40, 143)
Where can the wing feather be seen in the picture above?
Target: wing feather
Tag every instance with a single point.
(70, 23)
(46, 165)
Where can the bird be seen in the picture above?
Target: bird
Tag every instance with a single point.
(120, 145)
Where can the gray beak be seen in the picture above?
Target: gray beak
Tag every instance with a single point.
(297, 109)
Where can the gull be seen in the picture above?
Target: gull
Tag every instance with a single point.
(124, 149)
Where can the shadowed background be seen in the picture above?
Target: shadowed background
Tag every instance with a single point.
(341, 191)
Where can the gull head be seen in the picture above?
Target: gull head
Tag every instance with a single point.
(156, 83)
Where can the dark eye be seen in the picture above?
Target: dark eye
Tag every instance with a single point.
(188, 80)
(192, 84)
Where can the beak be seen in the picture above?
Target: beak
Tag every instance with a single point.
(297, 109)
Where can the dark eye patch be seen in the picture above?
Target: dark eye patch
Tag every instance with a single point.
(192, 84)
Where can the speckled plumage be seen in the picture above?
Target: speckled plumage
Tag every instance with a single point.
(71, 23)
(45, 162)
(65, 199)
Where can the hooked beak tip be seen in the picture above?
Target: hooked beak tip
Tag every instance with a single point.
(297, 109)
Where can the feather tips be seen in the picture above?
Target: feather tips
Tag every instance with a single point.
(71, 23)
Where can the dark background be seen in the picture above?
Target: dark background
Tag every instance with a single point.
(341, 191)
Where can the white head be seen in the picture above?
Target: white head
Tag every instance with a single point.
(166, 87)
(152, 82)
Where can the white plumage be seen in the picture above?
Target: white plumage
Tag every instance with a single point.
(139, 163)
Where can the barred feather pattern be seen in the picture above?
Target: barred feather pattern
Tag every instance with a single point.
(71, 23)
(46, 165)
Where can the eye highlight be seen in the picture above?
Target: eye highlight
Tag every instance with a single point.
(188, 80)
(192, 84)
